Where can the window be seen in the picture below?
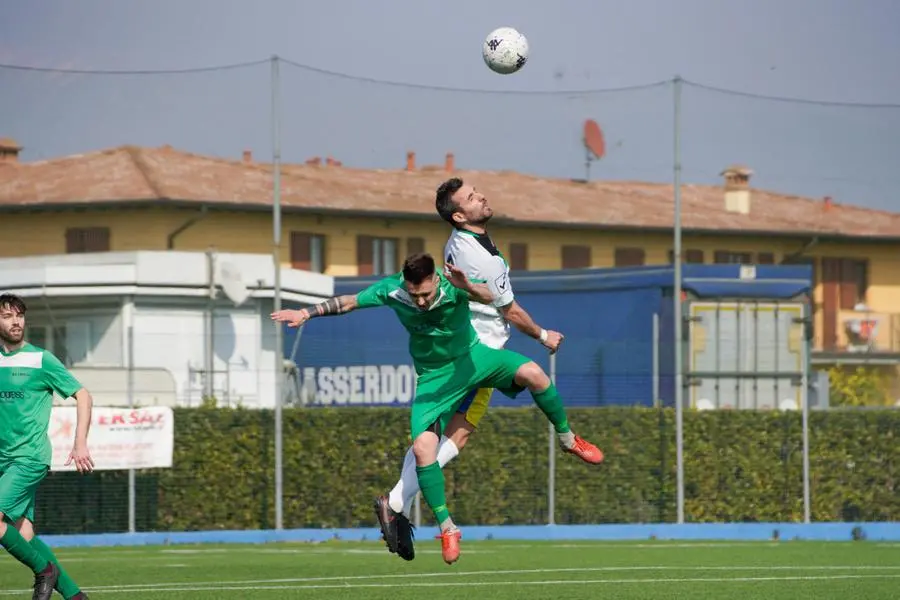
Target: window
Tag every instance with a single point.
(576, 257)
(629, 257)
(376, 256)
(415, 245)
(307, 251)
(87, 239)
(518, 256)
(725, 257)
(765, 258)
(693, 257)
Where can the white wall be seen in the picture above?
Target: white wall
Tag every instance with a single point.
(175, 338)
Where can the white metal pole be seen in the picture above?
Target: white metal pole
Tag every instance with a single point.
(679, 391)
(551, 458)
(656, 398)
(128, 314)
(276, 264)
(804, 399)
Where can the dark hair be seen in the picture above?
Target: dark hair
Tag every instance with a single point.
(13, 302)
(443, 201)
(418, 267)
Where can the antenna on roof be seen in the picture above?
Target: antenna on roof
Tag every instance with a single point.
(594, 146)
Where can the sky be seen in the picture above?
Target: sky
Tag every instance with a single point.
(583, 53)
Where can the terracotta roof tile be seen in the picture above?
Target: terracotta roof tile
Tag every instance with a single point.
(133, 173)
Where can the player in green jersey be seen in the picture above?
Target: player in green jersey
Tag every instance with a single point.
(449, 360)
(28, 378)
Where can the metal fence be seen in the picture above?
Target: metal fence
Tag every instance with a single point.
(676, 131)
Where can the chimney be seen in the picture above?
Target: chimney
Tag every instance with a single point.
(410, 161)
(449, 163)
(737, 189)
(248, 156)
(9, 150)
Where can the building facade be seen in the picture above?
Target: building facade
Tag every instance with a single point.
(348, 222)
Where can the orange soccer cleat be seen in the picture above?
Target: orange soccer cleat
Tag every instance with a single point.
(450, 545)
(586, 451)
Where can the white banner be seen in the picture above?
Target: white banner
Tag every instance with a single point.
(120, 438)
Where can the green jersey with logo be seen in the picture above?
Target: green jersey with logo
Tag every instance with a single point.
(28, 378)
(438, 335)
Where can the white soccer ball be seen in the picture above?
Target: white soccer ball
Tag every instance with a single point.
(505, 50)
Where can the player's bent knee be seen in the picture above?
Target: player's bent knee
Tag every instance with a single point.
(26, 529)
(425, 448)
(532, 376)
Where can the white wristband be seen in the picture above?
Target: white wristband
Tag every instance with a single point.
(543, 335)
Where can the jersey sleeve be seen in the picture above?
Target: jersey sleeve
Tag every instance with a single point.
(57, 376)
(374, 295)
(497, 279)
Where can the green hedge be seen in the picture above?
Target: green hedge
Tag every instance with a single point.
(740, 466)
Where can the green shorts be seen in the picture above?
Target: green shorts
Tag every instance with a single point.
(440, 392)
(18, 487)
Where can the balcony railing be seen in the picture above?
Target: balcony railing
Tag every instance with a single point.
(867, 331)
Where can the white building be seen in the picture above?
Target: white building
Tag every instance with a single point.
(82, 307)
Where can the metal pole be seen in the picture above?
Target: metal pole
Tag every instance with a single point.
(209, 382)
(679, 391)
(276, 263)
(132, 479)
(804, 399)
(656, 398)
(551, 458)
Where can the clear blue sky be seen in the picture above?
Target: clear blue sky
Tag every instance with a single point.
(837, 50)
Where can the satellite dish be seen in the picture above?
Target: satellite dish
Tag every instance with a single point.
(594, 144)
(233, 284)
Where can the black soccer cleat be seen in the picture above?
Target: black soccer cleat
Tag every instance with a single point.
(387, 519)
(44, 582)
(406, 534)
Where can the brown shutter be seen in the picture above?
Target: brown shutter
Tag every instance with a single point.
(629, 257)
(831, 275)
(695, 257)
(415, 245)
(87, 239)
(301, 257)
(576, 257)
(364, 255)
(518, 256)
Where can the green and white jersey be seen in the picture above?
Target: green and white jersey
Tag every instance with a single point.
(438, 335)
(28, 378)
(478, 256)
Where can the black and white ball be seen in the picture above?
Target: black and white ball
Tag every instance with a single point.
(505, 51)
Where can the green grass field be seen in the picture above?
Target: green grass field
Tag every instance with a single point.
(487, 569)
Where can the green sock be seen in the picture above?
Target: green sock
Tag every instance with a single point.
(64, 585)
(22, 551)
(551, 405)
(431, 482)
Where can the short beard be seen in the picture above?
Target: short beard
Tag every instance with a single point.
(6, 339)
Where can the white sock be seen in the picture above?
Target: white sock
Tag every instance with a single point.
(408, 480)
(403, 494)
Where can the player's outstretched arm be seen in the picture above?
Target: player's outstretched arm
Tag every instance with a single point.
(338, 305)
(521, 320)
(478, 292)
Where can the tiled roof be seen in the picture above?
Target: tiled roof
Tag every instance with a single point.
(164, 174)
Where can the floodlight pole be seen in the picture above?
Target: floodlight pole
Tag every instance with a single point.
(276, 264)
(676, 251)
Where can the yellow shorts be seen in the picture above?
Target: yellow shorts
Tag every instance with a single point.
(476, 404)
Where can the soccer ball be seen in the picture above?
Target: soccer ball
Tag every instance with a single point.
(505, 50)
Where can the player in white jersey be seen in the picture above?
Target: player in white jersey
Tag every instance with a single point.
(471, 249)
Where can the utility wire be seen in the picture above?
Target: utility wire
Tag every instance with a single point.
(436, 88)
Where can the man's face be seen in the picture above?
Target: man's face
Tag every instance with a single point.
(423, 294)
(12, 325)
(471, 207)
